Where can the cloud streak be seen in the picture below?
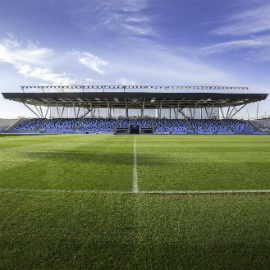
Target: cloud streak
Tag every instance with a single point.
(247, 22)
(255, 43)
(122, 16)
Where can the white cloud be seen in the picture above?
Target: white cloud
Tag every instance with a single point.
(31, 61)
(46, 74)
(125, 81)
(90, 60)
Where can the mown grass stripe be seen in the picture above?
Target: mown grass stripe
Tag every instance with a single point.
(142, 192)
(135, 182)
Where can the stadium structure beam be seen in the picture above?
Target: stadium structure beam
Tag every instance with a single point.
(231, 111)
(222, 112)
(206, 112)
(126, 107)
(41, 111)
(62, 111)
(180, 111)
(227, 114)
(31, 110)
(124, 88)
(38, 111)
(47, 111)
(238, 110)
(142, 110)
(88, 111)
(57, 109)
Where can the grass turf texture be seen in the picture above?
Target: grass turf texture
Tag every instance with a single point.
(58, 230)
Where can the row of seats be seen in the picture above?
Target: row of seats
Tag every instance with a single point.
(29, 125)
(97, 124)
(123, 123)
(161, 125)
(208, 125)
(239, 126)
(60, 124)
(171, 125)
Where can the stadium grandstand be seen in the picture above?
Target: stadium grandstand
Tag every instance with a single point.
(135, 109)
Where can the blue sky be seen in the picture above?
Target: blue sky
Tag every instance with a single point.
(151, 42)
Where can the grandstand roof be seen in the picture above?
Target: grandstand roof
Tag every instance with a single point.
(134, 100)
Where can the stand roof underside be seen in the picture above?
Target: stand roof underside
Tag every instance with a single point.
(134, 100)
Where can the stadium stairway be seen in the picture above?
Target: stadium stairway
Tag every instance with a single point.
(42, 124)
(16, 123)
(78, 124)
(253, 125)
(190, 125)
(115, 125)
(226, 125)
(153, 125)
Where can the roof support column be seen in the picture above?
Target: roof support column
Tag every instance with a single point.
(78, 112)
(180, 111)
(62, 112)
(31, 110)
(57, 110)
(227, 114)
(91, 108)
(108, 108)
(238, 110)
(190, 113)
(38, 111)
(142, 110)
(126, 107)
(222, 113)
(41, 112)
(206, 110)
(47, 111)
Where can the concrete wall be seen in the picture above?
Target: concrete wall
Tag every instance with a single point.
(263, 123)
(5, 123)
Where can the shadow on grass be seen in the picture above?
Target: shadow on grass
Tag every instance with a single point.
(82, 157)
(25, 134)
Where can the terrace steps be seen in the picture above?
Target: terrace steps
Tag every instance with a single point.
(115, 125)
(153, 125)
(226, 125)
(16, 123)
(253, 125)
(190, 125)
(42, 124)
(78, 125)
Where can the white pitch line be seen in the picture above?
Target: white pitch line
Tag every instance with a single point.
(135, 182)
(206, 191)
(63, 190)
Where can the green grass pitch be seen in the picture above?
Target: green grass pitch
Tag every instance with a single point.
(67, 202)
